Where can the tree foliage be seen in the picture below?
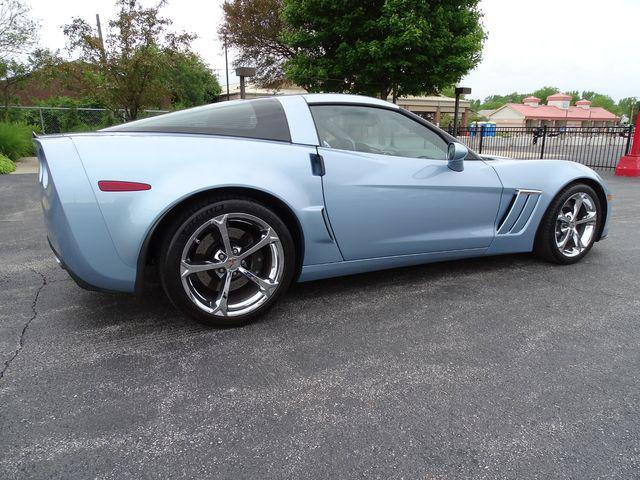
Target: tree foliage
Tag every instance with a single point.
(189, 81)
(544, 92)
(597, 100)
(18, 31)
(129, 70)
(629, 106)
(379, 46)
(14, 73)
(254, 28)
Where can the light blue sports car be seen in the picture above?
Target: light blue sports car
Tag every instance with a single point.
(229, 203)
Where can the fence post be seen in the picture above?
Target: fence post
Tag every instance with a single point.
(42, 121)
(628, 147)
(544, 138)
(481, 137)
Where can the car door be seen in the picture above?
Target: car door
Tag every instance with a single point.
(388, 189)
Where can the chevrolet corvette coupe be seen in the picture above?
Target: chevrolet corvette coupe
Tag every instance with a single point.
(229, 203)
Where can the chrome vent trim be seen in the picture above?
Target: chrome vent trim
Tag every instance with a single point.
(520, 211)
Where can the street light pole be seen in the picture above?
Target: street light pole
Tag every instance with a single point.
(244, 72)
(459, 91)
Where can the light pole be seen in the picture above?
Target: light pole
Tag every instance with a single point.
(459, 91)
(244, 72)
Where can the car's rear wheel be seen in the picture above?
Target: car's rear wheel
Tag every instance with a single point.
(227, 261)
(570, 226)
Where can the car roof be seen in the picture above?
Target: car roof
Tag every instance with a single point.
(315, 98)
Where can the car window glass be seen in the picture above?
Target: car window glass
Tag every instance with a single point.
(260, 118)
(376, 130)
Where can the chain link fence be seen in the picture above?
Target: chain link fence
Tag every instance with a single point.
(48, 120)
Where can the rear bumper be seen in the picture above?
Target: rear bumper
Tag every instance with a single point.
(79, 281)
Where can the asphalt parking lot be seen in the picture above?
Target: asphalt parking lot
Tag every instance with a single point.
(491, 368)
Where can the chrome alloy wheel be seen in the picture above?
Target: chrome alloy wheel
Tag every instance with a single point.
(232, 264)
(576, 224)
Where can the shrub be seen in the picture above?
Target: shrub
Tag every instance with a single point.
(6, 165)
(15, 140)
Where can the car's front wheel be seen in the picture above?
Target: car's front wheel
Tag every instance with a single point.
(570, 226)
(226, 261)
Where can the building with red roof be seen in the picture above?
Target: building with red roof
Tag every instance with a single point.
(558, 112)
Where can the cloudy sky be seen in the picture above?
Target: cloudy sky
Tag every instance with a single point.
(571, 44)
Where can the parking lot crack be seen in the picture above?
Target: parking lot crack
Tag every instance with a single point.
(25, 327)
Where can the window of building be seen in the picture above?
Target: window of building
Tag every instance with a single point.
(261, 118)
(376, 130)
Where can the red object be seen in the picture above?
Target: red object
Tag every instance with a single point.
(118, 186)
(629, 165)
(597, 114)
(559, 96)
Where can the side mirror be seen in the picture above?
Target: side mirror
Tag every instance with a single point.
(456, 154)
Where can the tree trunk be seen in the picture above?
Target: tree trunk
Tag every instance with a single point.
(5, 100)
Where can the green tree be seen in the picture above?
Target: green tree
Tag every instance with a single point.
(190, 81)
(14, 73)
(131, 63)
(601, 100)
(254, 28)
(629, 106)
(575, 96)
(496, 101)
(377, 47)
(544, 92)
(18, 31)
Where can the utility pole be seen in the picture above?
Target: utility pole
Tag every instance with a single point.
(226, 65)
(99, 32)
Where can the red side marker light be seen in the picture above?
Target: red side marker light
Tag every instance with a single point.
(118, 186)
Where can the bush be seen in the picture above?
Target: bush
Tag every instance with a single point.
(15, 140)
(6, 165)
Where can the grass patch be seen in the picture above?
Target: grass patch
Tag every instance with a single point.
(6, 165)
(15, 140)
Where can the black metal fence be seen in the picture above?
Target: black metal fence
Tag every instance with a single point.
(48, 120)
(596, 147)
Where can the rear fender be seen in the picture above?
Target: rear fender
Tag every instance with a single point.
(75, 226)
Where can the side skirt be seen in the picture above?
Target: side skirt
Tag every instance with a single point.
(350, 267)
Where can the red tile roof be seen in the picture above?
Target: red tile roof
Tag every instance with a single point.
(556, 113)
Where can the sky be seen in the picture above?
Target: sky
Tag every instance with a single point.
(572, 44)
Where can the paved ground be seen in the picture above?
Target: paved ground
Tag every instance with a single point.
(26, 165)
(492, 368)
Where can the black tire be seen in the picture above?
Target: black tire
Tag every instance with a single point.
(545, 244)
(183, 226)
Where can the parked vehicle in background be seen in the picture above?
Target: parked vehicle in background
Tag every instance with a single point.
(230, 203)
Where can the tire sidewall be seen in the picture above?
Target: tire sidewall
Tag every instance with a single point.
(177, 237)
(553, 213)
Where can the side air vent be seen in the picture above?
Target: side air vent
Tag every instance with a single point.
(519, 212)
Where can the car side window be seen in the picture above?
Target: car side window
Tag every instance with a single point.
(376, 130)
(261, 118)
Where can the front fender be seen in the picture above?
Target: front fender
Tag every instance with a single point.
(547, 176)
